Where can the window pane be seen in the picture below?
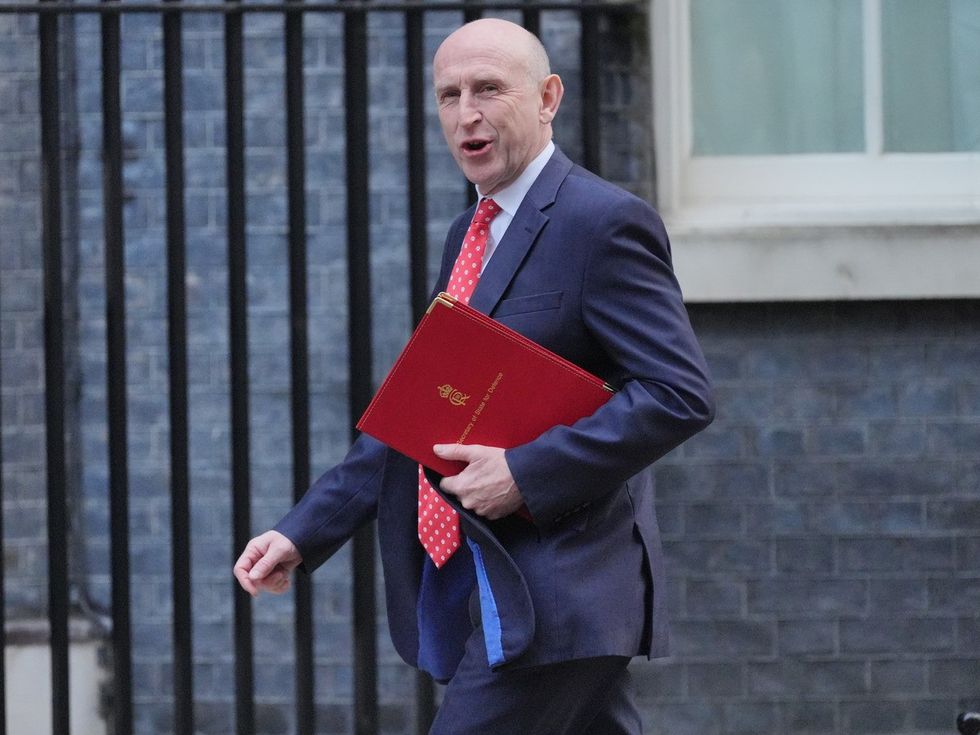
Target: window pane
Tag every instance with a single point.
(777, 76)
(931, 75)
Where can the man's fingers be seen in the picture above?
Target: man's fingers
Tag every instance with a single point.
(266, 563)
(244, 566)
(245, 583)
(273, 580)
(263, 566)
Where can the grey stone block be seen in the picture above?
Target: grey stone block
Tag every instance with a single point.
(793, 678)
(968, 634)
(694, 718)
(954, 359)
(781, 442)
(906, 440)
(954, 595)
(715, 598)
(873, 717)
(953, 515)
(805, 555)
(933, 399)
(806, 637)
(896, 635)
(889, 478)
(748, 718)
(731, 480)
(867, 517)
(935, 715)
(670, 518)
(717, 442)
(809, 717)
(745, 556)
(723, 639)
(954, 438)
(808, 597)
(715, 680)
(898, 677)
(837, 441)
(954, 677)
(805, 478)
(713, 519)
(875, 400)
(896, 554)
(776, 518)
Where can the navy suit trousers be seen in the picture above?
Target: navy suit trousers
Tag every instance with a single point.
(590, 696)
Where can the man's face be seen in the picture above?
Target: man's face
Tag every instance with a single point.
(490, 110)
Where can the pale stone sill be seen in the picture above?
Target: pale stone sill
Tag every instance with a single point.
(725, 262)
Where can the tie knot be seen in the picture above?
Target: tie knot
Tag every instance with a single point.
(486, 211)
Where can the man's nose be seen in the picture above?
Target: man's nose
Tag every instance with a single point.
(469, 109)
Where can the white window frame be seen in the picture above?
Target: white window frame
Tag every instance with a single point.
(888, 225)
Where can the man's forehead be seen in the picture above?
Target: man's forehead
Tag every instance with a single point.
(465, 72)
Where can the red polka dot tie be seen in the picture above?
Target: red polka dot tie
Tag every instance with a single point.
(438, 522)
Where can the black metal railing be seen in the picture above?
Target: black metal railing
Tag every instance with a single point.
(355, 55)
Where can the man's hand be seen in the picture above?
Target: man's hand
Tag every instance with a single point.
(266, 564)
(486, 486)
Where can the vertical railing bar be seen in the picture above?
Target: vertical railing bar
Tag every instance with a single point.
(359, 335)
(181, 579)
(591, 97)
(472, 11)
(54, 369)
(238, 354)
(418, 249)
(115, 318)
(415, 102)
(3, 596)
(299, 352)
(531, 18)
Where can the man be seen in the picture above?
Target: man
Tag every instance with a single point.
(558, 581)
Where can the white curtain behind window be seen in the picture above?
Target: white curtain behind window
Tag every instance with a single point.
(776, 76)
(931, 75)
(787, 76)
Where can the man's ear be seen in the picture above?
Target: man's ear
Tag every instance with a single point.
(552, 90)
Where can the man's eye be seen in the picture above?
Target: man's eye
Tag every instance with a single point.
(447, 97)
(489, 88)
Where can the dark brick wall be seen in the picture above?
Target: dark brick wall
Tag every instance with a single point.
(822, 534)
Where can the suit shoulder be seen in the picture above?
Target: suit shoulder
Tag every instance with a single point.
(590, 198)
(589, 190)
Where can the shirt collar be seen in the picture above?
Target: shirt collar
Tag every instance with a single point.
(510, 197)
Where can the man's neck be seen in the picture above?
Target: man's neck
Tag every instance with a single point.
(510, 197)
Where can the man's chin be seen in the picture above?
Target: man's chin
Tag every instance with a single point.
(481, 176)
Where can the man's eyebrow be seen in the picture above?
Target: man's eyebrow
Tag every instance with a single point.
(479, 81)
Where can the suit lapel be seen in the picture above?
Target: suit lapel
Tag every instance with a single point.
(521, 234)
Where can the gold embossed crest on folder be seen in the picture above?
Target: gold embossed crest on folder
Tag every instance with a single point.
(455, 397)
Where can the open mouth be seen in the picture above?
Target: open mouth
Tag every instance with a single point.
(475, 145)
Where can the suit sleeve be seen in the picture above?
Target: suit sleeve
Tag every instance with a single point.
(342, 500)
(632, 305)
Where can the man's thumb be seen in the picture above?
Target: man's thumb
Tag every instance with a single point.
(452, 451)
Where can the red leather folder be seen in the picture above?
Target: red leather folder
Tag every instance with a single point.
(465, 378)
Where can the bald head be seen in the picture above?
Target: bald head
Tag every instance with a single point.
(506, 39)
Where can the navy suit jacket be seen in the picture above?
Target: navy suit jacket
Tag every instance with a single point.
(585, 270)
